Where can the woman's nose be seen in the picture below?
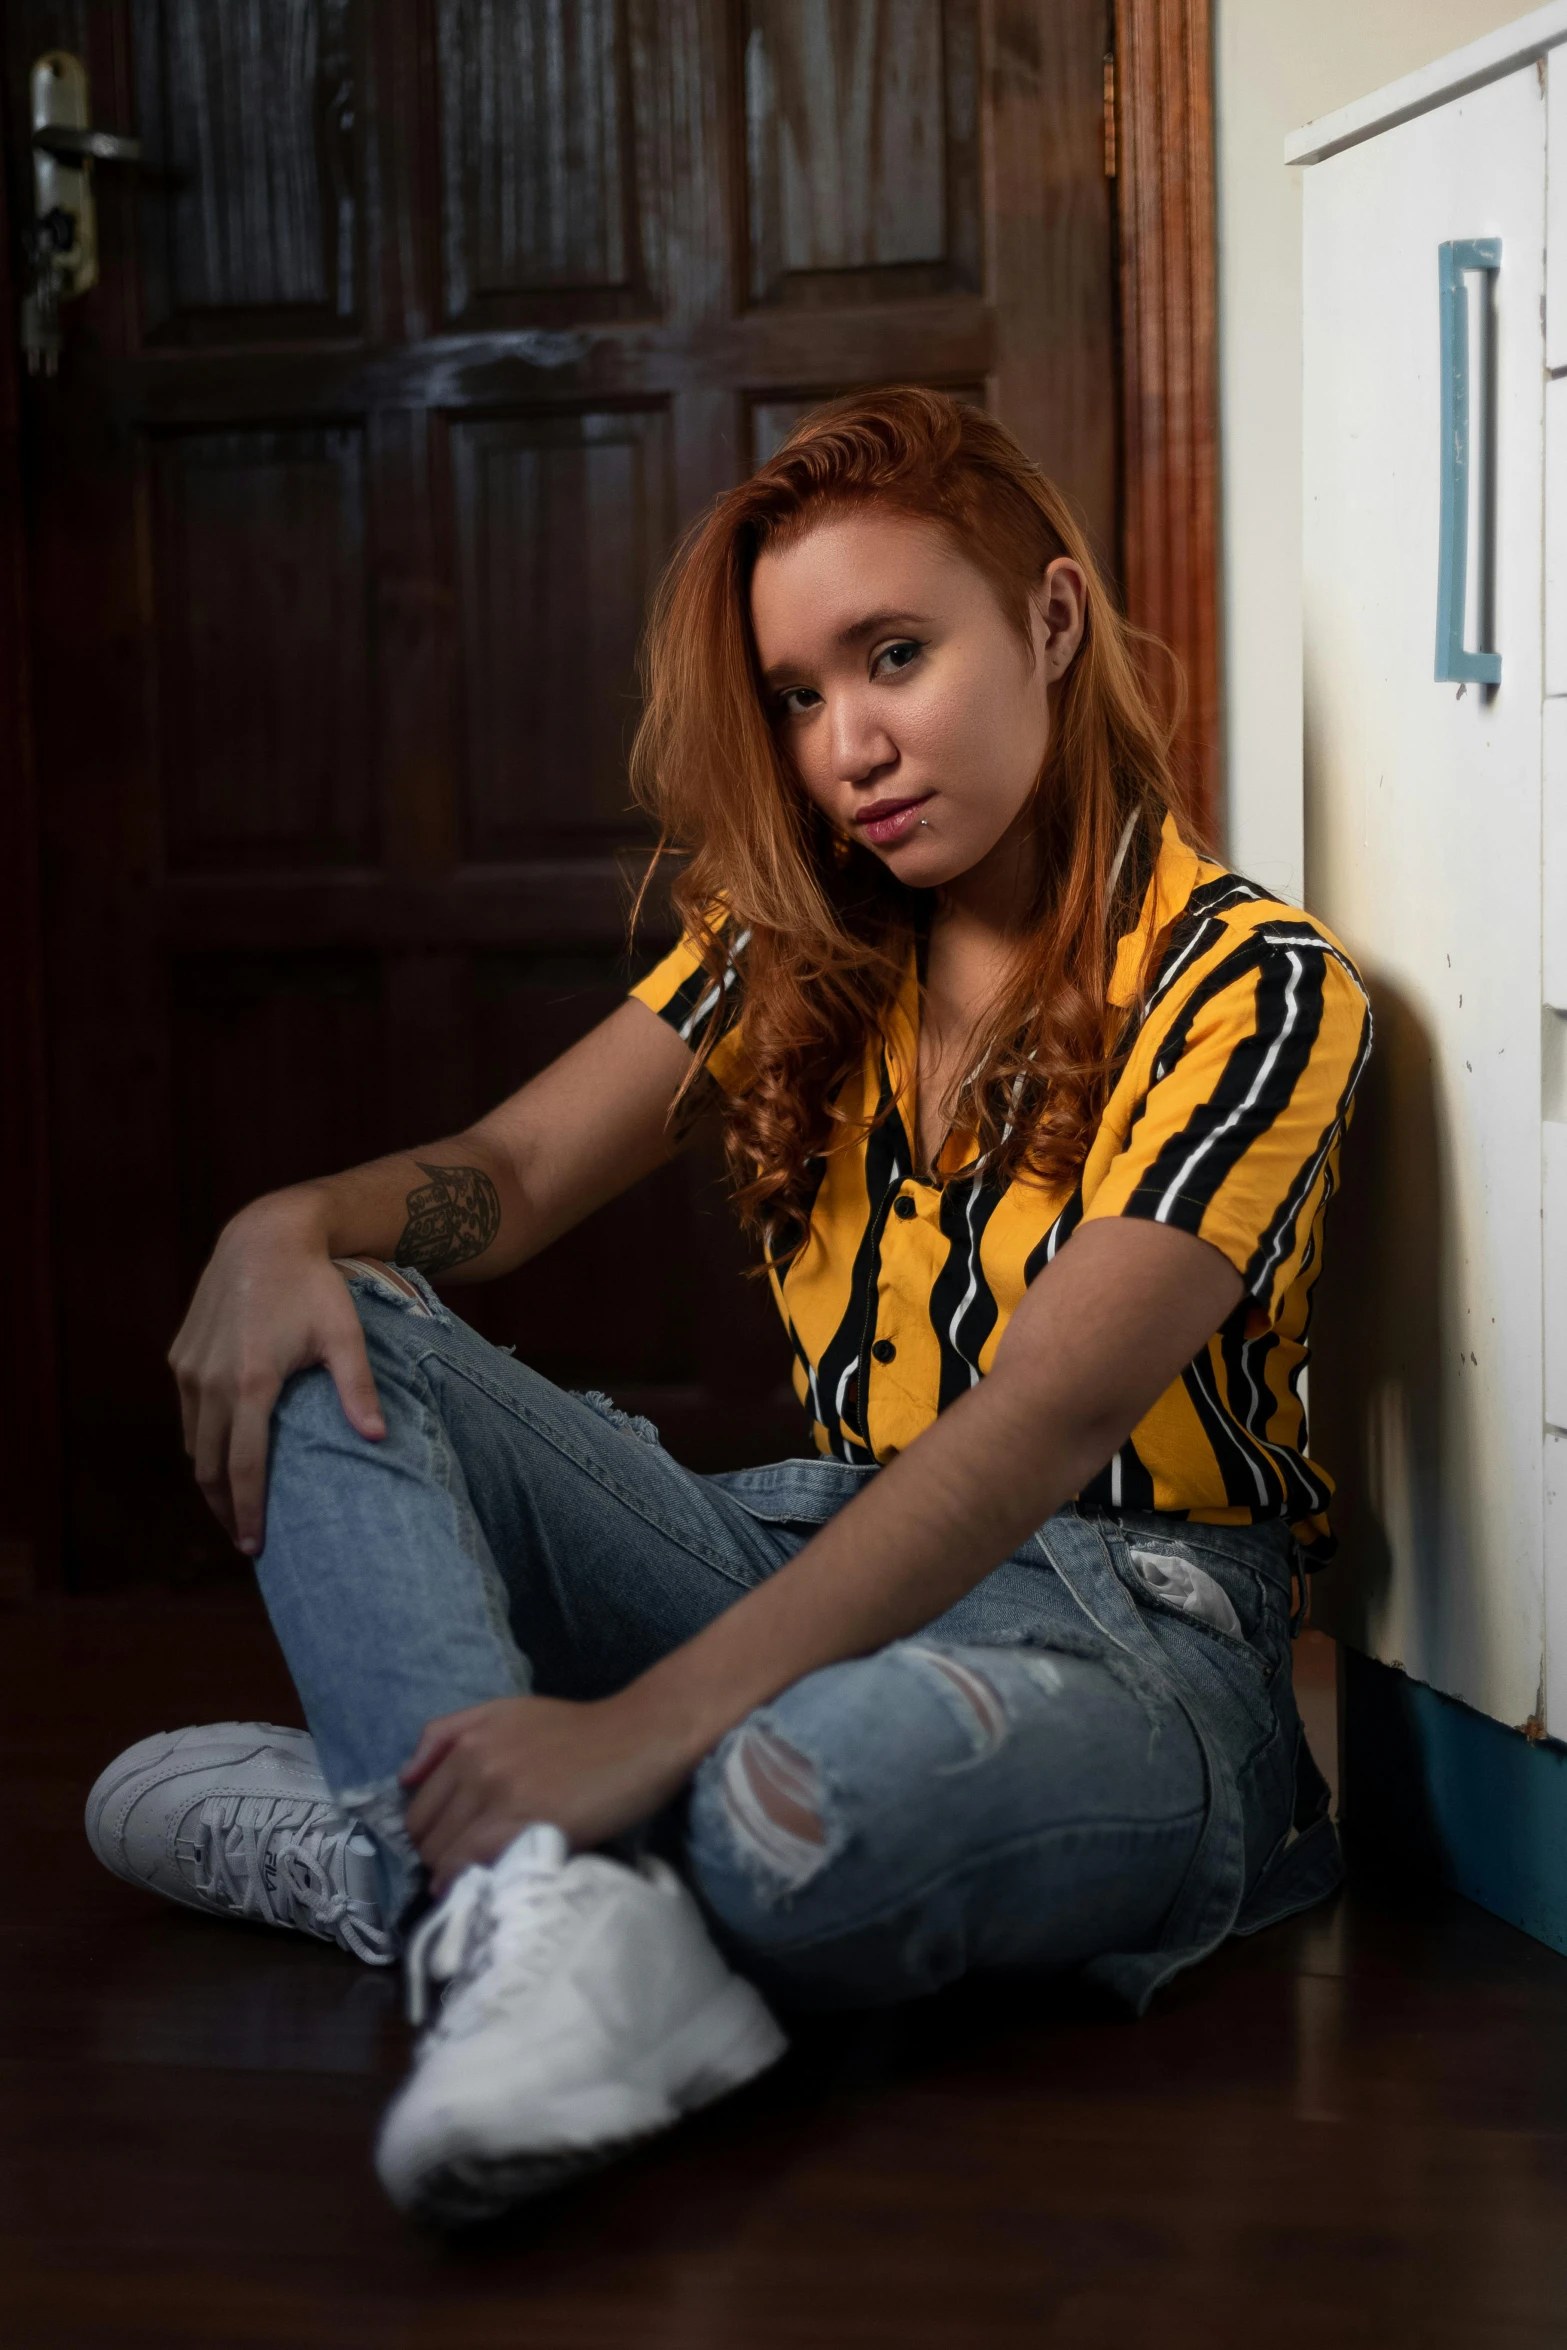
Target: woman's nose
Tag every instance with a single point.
(861, 745)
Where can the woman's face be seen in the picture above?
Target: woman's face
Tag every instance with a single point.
(906, 702)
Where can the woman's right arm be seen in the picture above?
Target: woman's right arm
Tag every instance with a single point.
(271, 1301)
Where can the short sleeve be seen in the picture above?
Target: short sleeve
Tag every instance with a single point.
(1236, 1137)
(706, 1013)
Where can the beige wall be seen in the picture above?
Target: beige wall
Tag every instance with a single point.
(1278, 64)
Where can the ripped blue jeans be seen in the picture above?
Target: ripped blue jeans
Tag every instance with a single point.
(1092, 1762)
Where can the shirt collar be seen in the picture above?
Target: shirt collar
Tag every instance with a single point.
(1177, 872)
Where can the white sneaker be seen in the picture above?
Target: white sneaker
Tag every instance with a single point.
(235, 1818)
(586, 2008)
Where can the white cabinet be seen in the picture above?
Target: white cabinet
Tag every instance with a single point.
(1553, 821)
(1426, 821)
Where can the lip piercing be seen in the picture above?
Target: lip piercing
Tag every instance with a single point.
(925, 823)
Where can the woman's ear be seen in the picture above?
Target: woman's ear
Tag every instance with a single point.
(1061, 608)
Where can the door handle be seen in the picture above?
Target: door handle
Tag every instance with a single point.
(1452, 571)
(68, 145)
(62, 238)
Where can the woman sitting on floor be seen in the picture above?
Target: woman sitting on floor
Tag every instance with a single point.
(1035, 1114)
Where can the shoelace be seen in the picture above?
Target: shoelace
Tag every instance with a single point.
(455, 1946)
(284, 1862)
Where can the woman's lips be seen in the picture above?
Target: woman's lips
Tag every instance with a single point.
(894, 821)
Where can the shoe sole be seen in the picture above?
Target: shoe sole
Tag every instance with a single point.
(464, 2190)
(148, 1752)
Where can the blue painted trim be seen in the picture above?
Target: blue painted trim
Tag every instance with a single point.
(1453, 543)
(1452, 1794)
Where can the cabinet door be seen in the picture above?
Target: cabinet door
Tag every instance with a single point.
(1423, 851)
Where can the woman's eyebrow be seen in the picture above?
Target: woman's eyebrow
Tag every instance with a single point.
(855, 634)
(875, 622)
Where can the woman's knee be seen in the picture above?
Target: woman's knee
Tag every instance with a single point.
(870, 1752)
(761, 1832)
(307, 1407)
(795, 1813)
(788, 1855)
(395, 1313)
(887, 1823)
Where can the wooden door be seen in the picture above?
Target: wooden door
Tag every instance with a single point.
(439, 322)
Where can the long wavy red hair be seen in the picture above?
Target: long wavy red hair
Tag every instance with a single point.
(830, 927)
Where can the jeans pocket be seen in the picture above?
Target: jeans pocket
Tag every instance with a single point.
(1165, 1575)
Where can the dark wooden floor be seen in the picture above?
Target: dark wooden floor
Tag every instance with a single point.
(1352, 2130)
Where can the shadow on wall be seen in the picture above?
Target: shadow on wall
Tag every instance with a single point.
(1376, 1415)
(1376, 1331)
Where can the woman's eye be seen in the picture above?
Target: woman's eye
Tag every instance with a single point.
(892, 658)
(795, 700)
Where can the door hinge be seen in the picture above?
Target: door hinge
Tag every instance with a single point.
(1109, 105)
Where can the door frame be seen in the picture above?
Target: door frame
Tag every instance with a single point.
(1165, 209)
(30, 1518)
(1159, 144)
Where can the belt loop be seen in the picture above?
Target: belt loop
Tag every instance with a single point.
(1300, 1594)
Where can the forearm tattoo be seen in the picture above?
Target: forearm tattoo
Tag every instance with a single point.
(451, 1218)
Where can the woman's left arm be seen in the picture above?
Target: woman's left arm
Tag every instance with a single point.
(1099, 1336)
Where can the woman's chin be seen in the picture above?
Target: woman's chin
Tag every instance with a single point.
(921, 864)
(927, 862)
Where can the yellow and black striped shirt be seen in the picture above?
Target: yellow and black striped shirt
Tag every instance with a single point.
(1226, 1120)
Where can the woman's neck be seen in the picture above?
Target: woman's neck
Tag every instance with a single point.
(980, 922)
(987, 910)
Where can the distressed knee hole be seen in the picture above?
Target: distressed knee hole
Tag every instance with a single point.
(387, 1280)
(633, 1423)
(976, 1700)
(772, 1799)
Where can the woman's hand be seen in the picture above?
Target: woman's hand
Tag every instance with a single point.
(270, 1303)
(481, 1776)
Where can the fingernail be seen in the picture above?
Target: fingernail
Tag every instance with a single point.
(249, 1546)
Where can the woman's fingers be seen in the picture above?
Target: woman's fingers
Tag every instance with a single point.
(440, 1734)
(467, 1765)
(190, 1406)
(343, 1353)
(249, 1437)
(435, 1740)
(209, 1450)
(477, 1777)
(447, 1804)
(481, 1833)
(485, 1841)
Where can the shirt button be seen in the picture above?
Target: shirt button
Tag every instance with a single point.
(884, 1350)
(903, 1206)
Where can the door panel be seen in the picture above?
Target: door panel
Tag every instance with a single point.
(260, 581)
(560, 523)
(301, 1037)
(254, 109)
(544, 157)
(438, 322)
(863, 150)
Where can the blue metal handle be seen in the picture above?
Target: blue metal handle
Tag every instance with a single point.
(1453, 555)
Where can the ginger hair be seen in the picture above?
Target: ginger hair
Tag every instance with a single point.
(830, 927)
